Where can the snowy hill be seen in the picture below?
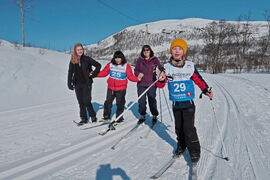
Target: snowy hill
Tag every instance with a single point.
(40, 141)
(159, 35)
(31, 76)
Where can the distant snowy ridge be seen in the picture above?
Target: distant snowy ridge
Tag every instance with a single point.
(159, 35)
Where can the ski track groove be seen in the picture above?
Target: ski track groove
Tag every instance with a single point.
(245, 132)
(217, 145)
(46, 167)
(207, 143)
(251, 149)
(253, 85)
(249, 81)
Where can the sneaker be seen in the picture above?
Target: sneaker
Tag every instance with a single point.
(141, 120)
(94, 119)
(154, 119)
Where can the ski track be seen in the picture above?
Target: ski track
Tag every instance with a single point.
(76, 154)
(248, 81)
(257, 165)
(83, 157)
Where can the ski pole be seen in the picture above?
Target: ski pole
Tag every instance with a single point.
(111, 124)
(219, 131)
(160, 107)
(167, 105)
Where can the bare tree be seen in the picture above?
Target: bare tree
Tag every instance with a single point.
(264, 44)
(216, 37)
(24, 7)
(242, 42)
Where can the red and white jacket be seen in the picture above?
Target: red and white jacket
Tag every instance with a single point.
(119, 76)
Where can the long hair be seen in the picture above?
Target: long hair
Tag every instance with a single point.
(119, 54)
(75, 59)
(147, 47)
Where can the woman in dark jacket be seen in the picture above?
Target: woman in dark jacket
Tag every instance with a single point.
(147, 64)
(80, 77)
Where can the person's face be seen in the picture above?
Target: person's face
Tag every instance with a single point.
(79, 51)
(146, 52)
(118, 60)
(177, 52)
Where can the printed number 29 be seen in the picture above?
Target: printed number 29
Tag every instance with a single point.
(179, 87)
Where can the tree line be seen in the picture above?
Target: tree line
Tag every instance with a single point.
(233, 45)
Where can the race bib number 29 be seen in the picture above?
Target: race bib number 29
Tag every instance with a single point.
(181, 90)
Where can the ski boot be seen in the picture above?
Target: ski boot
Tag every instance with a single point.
(179, 150)
(154, 119)
(82, 122)
(142, 119)
(94, 119)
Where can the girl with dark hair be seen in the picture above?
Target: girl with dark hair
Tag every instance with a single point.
(80, 77)
(147, 63)
(120, 72)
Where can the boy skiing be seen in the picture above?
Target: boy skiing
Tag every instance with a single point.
(180, 77)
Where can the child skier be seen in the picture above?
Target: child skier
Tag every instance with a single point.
(119, 71)
(180, 77)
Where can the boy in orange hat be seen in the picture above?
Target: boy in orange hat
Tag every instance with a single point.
(181, 75)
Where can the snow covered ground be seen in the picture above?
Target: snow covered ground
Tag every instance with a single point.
(39, 141)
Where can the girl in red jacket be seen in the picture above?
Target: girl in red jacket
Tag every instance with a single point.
(120, 72)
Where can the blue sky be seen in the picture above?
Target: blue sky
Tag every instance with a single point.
(58, 24)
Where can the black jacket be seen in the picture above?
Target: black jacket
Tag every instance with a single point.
(86, 63)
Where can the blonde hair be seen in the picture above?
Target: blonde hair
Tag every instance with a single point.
(75, 59)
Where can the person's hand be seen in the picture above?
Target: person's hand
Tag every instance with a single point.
(140, 76)
(157, 71)
(162, 76)
(209, 94)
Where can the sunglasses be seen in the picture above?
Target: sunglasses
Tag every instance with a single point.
(146, 50)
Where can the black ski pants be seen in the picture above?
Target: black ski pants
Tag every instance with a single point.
(151, 95)
(120, 102)
(83, 94)
(186, 132)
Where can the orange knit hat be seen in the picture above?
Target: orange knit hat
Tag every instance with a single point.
(180, 43)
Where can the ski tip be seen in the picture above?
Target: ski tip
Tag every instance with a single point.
(153, 177)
